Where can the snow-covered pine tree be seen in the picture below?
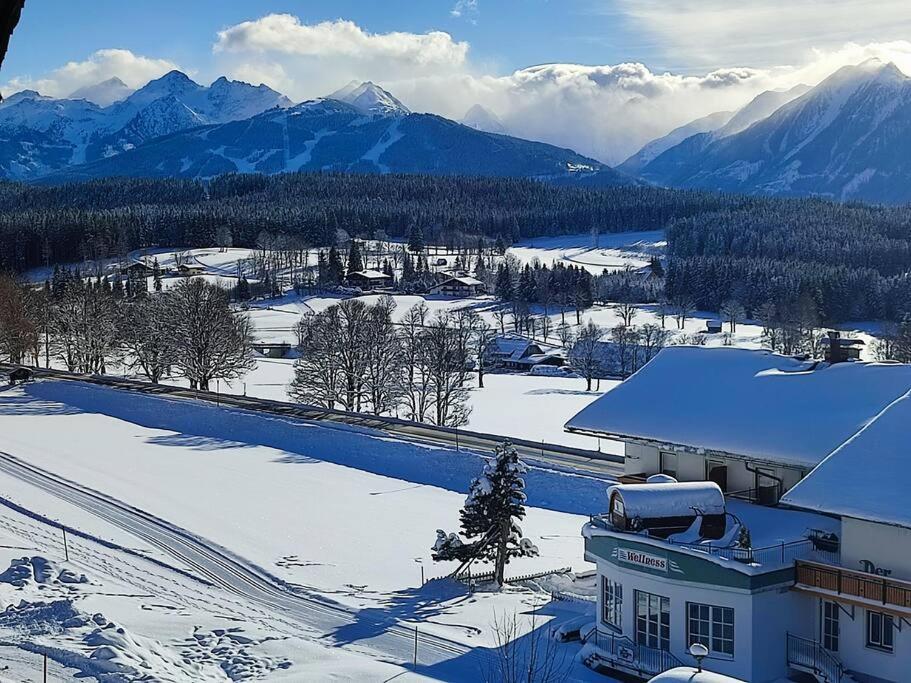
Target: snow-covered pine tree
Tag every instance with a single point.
(490, 517)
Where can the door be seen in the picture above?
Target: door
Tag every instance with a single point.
(653, 620)
(669, 464)
(717, 471)
(767, 487)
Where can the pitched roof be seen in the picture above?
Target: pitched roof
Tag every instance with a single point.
(745, 402)
(462, 280)
(868, 476)
(371, 274)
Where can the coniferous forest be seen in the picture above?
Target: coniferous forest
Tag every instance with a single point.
(845, 261)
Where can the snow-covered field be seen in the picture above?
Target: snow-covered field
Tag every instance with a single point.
(345, 515)
(611, 251)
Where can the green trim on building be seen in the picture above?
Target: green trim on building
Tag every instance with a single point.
(680, 566)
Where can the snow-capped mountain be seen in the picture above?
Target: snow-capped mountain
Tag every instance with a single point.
(481, 118)
(103, 94)
(846, 139)
(370, 99)
(689, 141)
(634, 164)
(41, 135)
(335, 135)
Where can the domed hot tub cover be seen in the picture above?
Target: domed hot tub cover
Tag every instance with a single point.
(680, 499)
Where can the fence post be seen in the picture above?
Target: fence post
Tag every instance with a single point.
(66, 549)
(415, 645)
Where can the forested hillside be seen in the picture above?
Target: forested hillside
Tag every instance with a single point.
(806, 258)
(831, 261)
(40, 225)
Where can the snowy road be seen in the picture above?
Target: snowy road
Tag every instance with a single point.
(437, 657)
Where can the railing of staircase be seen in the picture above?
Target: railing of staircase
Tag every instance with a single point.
(809, 654)
(623, 652)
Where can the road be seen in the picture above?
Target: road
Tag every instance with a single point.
(240, 577)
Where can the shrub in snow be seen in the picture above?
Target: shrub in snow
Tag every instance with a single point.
(495, 503)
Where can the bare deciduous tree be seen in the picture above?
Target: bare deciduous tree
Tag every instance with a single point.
(208, 341)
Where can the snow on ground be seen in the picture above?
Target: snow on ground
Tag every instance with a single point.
(611, 251)
(535, 408)
(342, 513)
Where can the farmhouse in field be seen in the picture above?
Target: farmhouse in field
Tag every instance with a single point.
(190, 269)
(763, 516)
(368, 279)
(517, 353)
(461, 286)
(137, 269)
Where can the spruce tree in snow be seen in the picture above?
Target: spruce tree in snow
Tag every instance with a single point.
(495, 504)
(416, 240)
(355, 260)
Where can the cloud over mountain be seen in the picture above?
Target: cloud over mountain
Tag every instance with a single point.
(134, 70)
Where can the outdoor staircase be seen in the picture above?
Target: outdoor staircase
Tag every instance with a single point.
(811, 657)
(614, 652)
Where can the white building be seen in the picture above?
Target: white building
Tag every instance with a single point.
(820, 590)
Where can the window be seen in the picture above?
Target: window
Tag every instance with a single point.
(668, 463)
(880, 634)
(653, 620)
(611, 602)
(830, 626)
(712, 626)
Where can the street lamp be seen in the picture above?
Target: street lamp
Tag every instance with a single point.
(699, 652)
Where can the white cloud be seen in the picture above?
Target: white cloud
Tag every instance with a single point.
(464, 8)
(285, 34)
(134, 70)
(605, 111)
(310, 60)
(760, 32)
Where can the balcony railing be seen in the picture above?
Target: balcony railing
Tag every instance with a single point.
(851, 583)
(619, 651)
(808, 655)
(783, 553)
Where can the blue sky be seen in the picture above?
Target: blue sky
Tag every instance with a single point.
(508, 34)
(617, 73)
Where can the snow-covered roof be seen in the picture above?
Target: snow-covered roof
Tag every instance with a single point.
(869, 476)
(745, 402)
(370, 274)
(669, 499)
(462, 280)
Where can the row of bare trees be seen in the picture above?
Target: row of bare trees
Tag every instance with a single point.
(355, 357)
(189, 331)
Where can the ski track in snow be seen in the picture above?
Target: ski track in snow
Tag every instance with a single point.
(235, 575)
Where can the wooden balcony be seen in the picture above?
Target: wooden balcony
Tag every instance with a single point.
(854, 587)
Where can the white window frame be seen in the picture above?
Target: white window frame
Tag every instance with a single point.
(831, 625)
(653, 628)
(612, 603)
(886, 625)
(711, 624)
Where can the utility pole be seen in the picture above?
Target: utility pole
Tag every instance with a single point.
(415, 645)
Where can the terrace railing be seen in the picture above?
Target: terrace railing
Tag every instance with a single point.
(838, 580)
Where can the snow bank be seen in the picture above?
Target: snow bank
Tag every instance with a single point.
(746, 402)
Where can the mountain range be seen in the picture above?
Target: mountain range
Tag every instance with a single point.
(844, 139)
(176, 127)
